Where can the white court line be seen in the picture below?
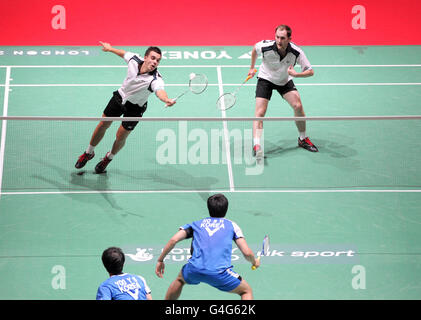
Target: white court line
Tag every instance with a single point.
(214, 191)
(4, 124)
(226, 135)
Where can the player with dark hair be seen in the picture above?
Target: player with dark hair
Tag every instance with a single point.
(276, 72)
(130, 100)
(121, 286)
(211, 253)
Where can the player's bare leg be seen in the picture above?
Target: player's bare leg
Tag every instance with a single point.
(99, 132)
(96, 138)
(175, 288)
(260, 111)
(118, 144)
(120, 140)
(244, 290)
(294, 100)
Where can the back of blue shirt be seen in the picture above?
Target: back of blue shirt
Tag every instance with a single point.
(212, 243)
(123, 287)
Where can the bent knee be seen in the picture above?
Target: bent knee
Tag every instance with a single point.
(298, 107)
(105, 124)
(180, 279)
(243, 288)
(122, 133)
(260, 111)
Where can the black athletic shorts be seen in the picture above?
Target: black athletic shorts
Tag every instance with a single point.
(116, 108)
(264, 88)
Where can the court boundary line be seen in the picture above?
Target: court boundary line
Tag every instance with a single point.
(212, 191)
(4, 124)
(225, 126)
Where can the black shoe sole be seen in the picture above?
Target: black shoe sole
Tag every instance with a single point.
(310, 148)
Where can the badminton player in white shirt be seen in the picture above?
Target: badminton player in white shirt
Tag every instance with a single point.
(276, 72)
(130, 100)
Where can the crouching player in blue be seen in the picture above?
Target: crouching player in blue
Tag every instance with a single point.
(121, 286)
(211, 253)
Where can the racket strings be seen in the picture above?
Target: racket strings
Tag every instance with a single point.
(265, 246)
(226, 101)
(198, 83)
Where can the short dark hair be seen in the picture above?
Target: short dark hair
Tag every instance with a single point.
(284, 27)
(217, 205)
(154, 49)
(113, 260)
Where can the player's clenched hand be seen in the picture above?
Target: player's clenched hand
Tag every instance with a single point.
(170, 102)
(256, 263)
(252, 72)
(291, 71)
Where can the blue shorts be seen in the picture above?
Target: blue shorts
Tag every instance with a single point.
(227, 280)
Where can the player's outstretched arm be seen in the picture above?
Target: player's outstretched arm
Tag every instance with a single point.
(247, 252)
(106, 47)
(162, 95)
(160, 265)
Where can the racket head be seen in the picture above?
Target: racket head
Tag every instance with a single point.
(265, 246)
(265, 250)
(226, 101)
(198, 83)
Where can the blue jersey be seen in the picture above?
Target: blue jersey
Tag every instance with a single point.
(123, 287)
(212, 243)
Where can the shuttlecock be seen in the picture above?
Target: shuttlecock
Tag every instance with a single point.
(192, 75)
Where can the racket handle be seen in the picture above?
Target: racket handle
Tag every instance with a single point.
(179, 96)
(249, 77)
(254, 267)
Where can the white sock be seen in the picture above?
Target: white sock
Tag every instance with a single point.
(109, 155)
(302, 135)
(256, 141)
(90, 149)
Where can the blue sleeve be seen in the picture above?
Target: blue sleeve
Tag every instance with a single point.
(103, 293)
(237, 231)
(189, 229)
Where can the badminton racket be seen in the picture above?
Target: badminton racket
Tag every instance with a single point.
(264, 251)
(197, 84)
(227, 100)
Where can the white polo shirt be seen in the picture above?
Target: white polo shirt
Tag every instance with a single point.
(137, 87)
(275, 69)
